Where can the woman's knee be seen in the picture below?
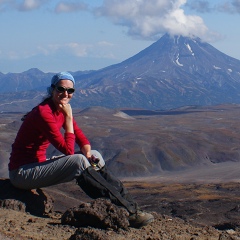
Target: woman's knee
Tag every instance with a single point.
(99, 156)
(81, 161)
(97, 153)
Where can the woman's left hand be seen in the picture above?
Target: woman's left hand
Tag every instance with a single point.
(86, 150)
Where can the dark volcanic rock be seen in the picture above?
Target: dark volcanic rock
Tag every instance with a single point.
(234, 213)
(101, 213)
(150, 195)
(89, 234)
(36, 202)
(13, 204)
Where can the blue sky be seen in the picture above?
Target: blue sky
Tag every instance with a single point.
(76, 35)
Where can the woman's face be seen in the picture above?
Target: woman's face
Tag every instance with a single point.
(62, 97)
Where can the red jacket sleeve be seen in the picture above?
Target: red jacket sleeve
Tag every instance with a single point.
(50, 126)
(81, 139)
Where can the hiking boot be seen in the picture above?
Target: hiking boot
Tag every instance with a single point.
(140, 219)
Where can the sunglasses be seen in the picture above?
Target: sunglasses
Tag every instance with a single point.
(63, 89)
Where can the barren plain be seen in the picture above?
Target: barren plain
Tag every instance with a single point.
(182, 165)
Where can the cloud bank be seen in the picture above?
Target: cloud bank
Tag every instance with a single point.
(28, 5)
(144, 19)
(23, 5)
(149, 19)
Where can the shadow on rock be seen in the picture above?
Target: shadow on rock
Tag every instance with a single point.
(36, 202)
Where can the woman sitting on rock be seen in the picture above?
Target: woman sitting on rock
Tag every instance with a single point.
(29, 168)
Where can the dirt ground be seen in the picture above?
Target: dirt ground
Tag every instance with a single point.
(203, 203)
(16, 225)
(182, 211)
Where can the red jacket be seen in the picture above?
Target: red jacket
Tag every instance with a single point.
(40, 128)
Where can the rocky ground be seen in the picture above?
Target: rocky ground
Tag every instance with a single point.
(201, 203)
(182, 211)
(16, 225)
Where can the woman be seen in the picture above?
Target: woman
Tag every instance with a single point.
(29, 168)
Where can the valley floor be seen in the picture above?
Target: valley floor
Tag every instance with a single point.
(214, 173)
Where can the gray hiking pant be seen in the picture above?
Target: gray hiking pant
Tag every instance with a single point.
(53, 171)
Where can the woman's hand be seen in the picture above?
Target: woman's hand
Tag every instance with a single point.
(66, 109)
(86, 150)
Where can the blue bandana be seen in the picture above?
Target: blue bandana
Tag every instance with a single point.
(60, 76)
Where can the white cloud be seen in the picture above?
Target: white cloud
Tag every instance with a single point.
(105, 44)
(99, 50)
(176, 22)
(29, 5)
(79, 50)
(70, 7)
(13, 55)
(72, 48)
(47, 50)
(150, 19)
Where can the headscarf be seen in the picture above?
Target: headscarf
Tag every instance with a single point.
(57, 77)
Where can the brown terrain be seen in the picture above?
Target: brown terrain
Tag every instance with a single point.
(181, 165)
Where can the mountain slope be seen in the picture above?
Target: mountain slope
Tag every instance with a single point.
(172, 72)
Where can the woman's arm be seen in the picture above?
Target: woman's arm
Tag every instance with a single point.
(86, 150)
(66, 109)
(49, 124)
(81, 140)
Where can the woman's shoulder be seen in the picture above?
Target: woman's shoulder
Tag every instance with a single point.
(45, 108)
(47, 105)
(42, 111)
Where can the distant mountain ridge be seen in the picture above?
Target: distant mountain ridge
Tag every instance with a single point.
(172, 72)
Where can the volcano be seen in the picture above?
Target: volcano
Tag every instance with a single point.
(172, 72)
